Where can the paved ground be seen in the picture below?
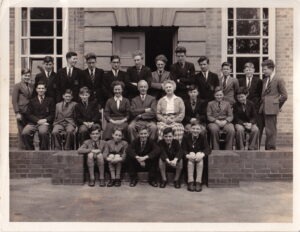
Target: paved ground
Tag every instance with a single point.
(38, 200)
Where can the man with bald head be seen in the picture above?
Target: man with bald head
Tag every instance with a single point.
(143, 110)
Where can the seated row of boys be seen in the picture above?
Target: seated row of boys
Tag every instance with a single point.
(145, 154)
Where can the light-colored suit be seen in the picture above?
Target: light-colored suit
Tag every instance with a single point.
(232, 84)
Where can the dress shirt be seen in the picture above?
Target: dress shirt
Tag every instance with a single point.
(118, 100)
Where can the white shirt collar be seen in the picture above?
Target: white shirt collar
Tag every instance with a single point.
(272, 76)
(115, 72)
(118, 98)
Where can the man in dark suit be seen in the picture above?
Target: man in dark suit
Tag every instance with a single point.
(274, 95)
(182, 72)
(39, 115)
(206, 81)
(245, 119)
(115, 74)
(48, 76)
(143, 109)
(70, 77)
(95, 78)
(143, 153)
(136, 73)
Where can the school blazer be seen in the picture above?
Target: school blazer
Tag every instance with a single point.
(199, 112)
(151, 149)
(213, 111)
(111, 111)
(254, 90)
(182, 76)
(67, 115)
(51, 84)
(87, 114)
(88, 146)
(156, 83)
(138, 107)
(174, 151)
(232, 85)
(249, 115)
(96, 86)
(206, 87)
(201, 145)
(21, 97)
(179, 109)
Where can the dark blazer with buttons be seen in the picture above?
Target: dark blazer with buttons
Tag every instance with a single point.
(150, 149)
(87, 114)
(254, 90)
(51, 84)
(174, 151)
(37, 111)
(21, 96)
(241, 116)
(200, 145)
(138, 107)
(199, 112)
(96, 86)
(111, 111)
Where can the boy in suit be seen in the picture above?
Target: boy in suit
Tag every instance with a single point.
(39, 115)
(136, 73)
(70, 77)
(274, 95)
(95, 78)
(21, 95)
(143, 153)
(87, 114)
(143, 109)
(182, 72)
(48, 76)
(228, 84)
(64, 122)
(245, 119)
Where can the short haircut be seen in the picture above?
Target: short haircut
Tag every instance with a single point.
(218, 89)
(117, 129)
(162, 58)
(25, 71)
(249, 65)
(195, 123)
(143, 127)
(90, 55)
(138, 53)
(41, 83)
(269, 63)
(84, 90)
(226, 64)
(180, 49)
(95, 127)
(141, 81)
(169, 82)
(115, 83)
(115, 57)
(203, 58)
(168, 130)
(48, 59)
(70, 54)
(192, 87)
(242, 90)
(68, 91)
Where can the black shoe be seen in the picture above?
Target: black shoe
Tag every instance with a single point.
(111, 183)
(198, 187)
(92, 182)
(191, 187)
(163, 184)
(133, 183)
(118, 183)
(153, 183)
(177, 184)
(102, 183)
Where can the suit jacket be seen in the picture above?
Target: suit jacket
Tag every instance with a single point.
(37, 111)
(198, 145)
(254, 90)
(134, 76)
(138, 107)
(89, 114)
(274, 97)
(113, 148)
(150, 149)
(207, 86)
(63, 114)
(199, 112)
(174, 151)
(182, 77)
(111, 111)
(75, 82)
(241, 116)
(179, 109)
(156, 88)
(21, 96)
(88, 146)
(51, 83)
(96, 86)
(223, 113)
(232, 85)
(108, 79)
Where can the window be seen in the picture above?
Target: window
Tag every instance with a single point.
(249, 37)
(41, 34)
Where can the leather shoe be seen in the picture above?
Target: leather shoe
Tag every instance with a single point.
(163, 184)
(153, 183)
(191, 187)
(177, 184)
(133, 183)
(118, 183)
(92, 183)
(198, 187)
(102, 183)
(111, 183)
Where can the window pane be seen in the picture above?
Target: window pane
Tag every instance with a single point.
(24, 62)
(230, 13)
(24, 47)
(265, 13)
(265, 46)
(230, 46)
(41, 13)
(24, 28)
(247, 13)
(41, 46)
(265, 28)
(230, 60)
(242, 75)
(58, 63)
(265, 58)
(24, 13)
(240, 62)
(59, 13)
(230, 28)
(41, 28)
(247, 46)
(248, 27)
(36, 65)
(59, 46)
(59, 28)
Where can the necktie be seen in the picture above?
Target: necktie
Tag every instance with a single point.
(143, 98)
(41, 99)
(139, 70)
(193, 104)
(219, 106)
(28, 89)
(48, 74)
(142, 146)
(224, 82)
(204, 74)
(182, 65)
(69, 72)
(159, 76)
(85, 104)
(92, 75)
(244, 106)
(249, 83)
(268, 86)
(66, 105)
(95, 145)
